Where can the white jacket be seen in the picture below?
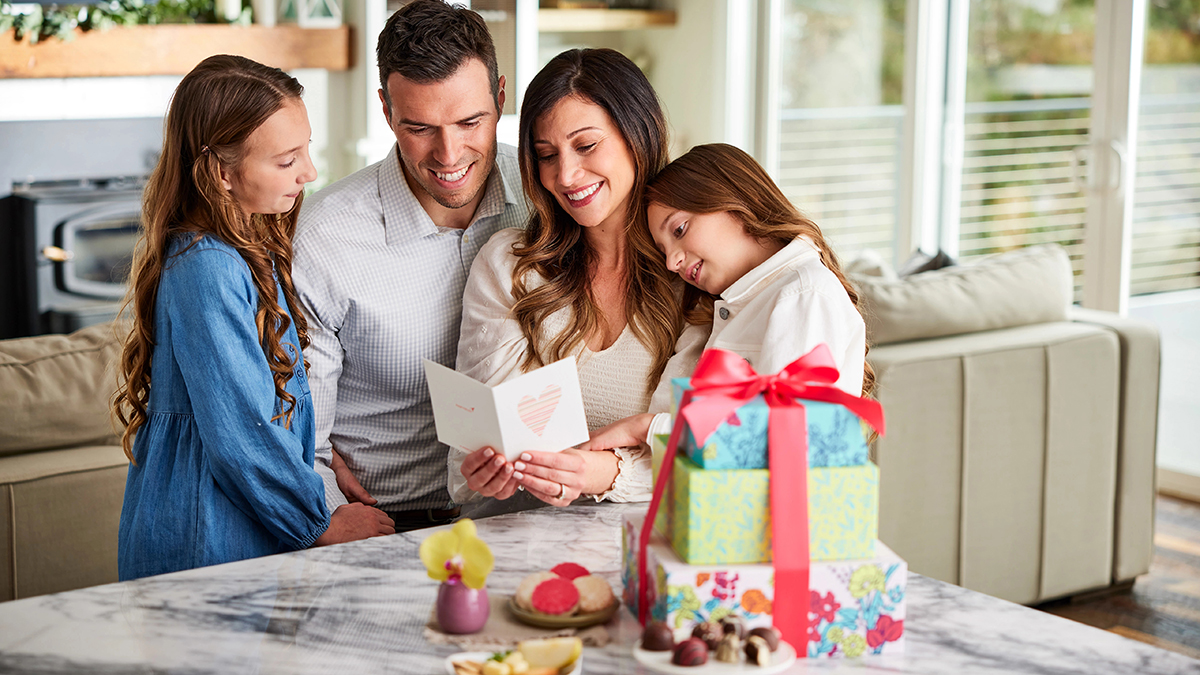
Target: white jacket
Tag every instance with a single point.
(783, 308)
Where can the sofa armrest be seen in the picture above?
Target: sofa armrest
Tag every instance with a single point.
(1137, 440)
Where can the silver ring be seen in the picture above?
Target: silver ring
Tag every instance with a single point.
(521, 488)
(562, 491)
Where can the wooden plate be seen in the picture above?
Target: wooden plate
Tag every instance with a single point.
(540, 620)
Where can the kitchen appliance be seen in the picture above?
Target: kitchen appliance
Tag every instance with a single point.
(66, 247)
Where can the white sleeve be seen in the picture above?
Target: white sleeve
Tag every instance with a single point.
(635, 481)
(803, 319)
(491, 344)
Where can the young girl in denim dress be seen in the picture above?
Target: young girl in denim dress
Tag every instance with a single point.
(217, 412)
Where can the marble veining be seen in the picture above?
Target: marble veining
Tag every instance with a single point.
(361, 608)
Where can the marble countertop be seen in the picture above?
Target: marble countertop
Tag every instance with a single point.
(361, 608)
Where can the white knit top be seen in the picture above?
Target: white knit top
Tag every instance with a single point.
(613, 381)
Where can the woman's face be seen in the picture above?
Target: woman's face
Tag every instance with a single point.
(276, 164)
(584, 162)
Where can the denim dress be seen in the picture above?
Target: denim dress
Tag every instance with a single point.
(215, 479)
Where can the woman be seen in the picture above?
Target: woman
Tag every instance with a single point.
(218, 415)
(583, 280)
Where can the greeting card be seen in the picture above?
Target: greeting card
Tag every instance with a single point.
(540, 410)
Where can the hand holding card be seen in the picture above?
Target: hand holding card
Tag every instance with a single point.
(541, 410)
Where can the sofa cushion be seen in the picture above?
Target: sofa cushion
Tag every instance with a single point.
(55, 390)
(59, 514)
(1031, 285)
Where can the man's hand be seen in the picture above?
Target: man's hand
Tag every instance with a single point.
(627, 433)
(346, 481)
(489, 474)
(351, 522)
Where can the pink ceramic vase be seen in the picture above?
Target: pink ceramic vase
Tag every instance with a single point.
(461, 609)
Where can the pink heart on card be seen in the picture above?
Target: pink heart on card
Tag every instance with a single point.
(536, 412)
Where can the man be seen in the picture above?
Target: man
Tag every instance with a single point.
(381, 258)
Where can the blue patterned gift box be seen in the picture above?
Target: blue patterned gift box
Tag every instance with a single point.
(835, 435)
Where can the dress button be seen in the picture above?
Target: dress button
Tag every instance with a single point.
(724, 313)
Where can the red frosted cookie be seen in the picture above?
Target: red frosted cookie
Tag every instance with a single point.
(555, 596)
(570, 570)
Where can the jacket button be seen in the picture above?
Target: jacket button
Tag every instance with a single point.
(724, 313)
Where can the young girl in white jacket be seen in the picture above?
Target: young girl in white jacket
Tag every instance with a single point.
(756, 268)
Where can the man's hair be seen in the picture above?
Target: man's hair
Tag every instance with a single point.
(427, 41)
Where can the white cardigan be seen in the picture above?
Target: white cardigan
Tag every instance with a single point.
(783, 308)
(491, 347)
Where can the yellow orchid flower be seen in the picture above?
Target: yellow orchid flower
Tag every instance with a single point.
(457, 553)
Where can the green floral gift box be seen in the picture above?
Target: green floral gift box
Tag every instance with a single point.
(723, 516)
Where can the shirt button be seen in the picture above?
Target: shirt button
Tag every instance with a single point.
(724, 313)
(483, 330)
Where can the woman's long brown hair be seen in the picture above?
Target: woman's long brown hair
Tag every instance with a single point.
(553, 246)
(717, 178)
(214, 110)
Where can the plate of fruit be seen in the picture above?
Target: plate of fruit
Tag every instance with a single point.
(566, 596)
(721, 648)
(549, 656)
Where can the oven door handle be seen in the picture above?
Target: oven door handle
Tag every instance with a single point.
(57, 254)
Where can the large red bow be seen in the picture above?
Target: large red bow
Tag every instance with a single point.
(724, 381)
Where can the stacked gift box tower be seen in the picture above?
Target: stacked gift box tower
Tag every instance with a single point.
(710, 554)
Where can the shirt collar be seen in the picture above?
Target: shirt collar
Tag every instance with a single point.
(799, 248)
(404, 219)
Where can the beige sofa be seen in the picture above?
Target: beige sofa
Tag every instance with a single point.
(1019, 458)
(62, 474)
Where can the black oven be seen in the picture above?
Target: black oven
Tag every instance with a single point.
(66, 249)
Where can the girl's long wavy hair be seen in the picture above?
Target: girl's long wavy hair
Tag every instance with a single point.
(214, 110)
(553, 246)
(718, 178)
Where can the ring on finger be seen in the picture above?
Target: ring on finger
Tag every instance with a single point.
(562, 491)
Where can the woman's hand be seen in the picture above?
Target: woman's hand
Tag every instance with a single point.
(559, 478)
(489, 474)
(626, 433)
(351, 522)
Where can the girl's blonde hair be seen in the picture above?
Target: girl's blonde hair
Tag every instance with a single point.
(717, 178)
(553, 245)
(214, 110)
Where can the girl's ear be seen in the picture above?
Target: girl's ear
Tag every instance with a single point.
(226, 177)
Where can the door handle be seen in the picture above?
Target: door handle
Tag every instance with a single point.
(56, 254)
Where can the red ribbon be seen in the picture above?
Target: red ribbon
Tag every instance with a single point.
(725, 381)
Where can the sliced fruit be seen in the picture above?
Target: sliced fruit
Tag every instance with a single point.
(551, 652)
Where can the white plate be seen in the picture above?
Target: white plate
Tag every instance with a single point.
(660, 662)
(483, 656)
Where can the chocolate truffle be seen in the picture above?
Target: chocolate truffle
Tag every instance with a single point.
(734, 624)
(730, 649)
(658, 637)
(709, 632)
(690, 652)
(757, 651)
(770, 634)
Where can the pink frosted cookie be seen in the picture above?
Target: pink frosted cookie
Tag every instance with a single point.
(594, 593)
(524, 595)
(555, 596)
(570, 571)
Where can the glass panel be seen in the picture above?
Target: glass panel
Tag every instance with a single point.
(1166, 207)
(841, 118)
(104, 251)
(1028, 107)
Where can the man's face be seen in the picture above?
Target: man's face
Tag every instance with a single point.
(447, 135)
